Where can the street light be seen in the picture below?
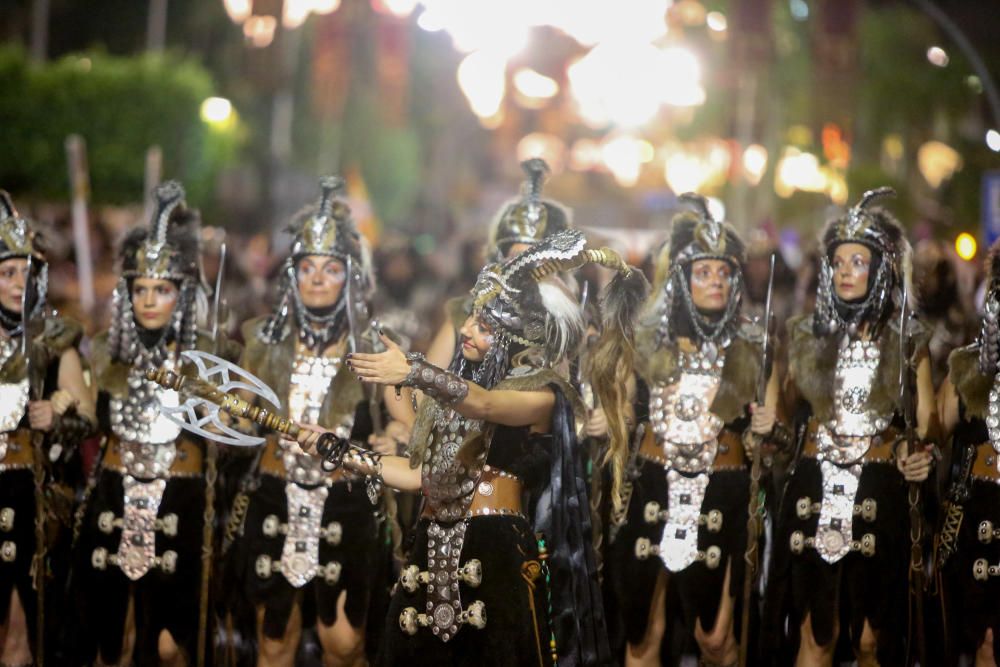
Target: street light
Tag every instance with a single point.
(965, 246)
(217, 111)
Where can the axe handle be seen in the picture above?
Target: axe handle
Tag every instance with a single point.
(229, 403)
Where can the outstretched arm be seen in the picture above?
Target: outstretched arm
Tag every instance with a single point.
(395, 471)
(509, 408)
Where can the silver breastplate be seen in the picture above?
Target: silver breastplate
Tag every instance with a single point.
(683, 424)
(147, 438)
(993, 417)
(13, 397)
(842, 442)
(857, 363)
(13, 401)
(688, 432)
(447, 482)
(310, 382)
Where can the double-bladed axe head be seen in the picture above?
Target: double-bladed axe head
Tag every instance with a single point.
(227, 377)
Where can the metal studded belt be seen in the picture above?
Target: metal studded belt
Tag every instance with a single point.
(498, 493)
(984, 468)
(272, 463)
(17, 450)
(729, 456)
(882, 449)
(187, 462)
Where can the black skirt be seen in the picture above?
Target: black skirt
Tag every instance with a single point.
(517, 630)
(17, 493)
(974, 605)
(696, 590)
(358, 554)
(162, 601)
(853, 590)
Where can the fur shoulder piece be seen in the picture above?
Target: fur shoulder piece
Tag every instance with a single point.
(253, 329)
(50, 338)
(228, 348)
(60, 334)
(273, 364)
(739, 378)
(739, 375)
(256, 351)
(750, 331)
(536, 379)
(973, 388)
(812, 362)
(645, 345)
(109, 376)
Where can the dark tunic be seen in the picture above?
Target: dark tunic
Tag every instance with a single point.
(858, 587)
(17, 480)
(361, 551)
(162, 600)
(517, 625)
(694, 593)
(527, 600)
(973, 605)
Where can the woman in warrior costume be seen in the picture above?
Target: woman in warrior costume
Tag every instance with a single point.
(44, 405)
(684, 526)
(497, 425)
(518, 225)
(842, 541)
(139, 552)
(310, 543)
(968, 553)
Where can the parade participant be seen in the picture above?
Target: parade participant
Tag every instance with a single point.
(138, 566)
(46, 408)
(310, 541)
(842, 538)
(499, 424)
(519, 224)
(968, 551)
(684, 524)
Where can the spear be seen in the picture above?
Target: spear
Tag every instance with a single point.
(916, 621)
(38, 565)
(754, 508)
(211, 475)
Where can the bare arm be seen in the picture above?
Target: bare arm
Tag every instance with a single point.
(400, 407)
(916, 466)
(396, 472)
(927, 414)
(71, 380)
(765, 416)
(442, 347)
(947, 400)
(509, 408)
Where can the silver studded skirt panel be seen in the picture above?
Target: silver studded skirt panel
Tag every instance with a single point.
(506, 548)
(166, 594)
(348, 553)
(633, 578)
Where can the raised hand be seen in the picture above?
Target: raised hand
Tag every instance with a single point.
(390, 367)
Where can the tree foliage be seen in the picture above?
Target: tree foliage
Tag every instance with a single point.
(121, 106)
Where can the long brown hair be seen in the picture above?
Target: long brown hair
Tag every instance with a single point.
(612, 366)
